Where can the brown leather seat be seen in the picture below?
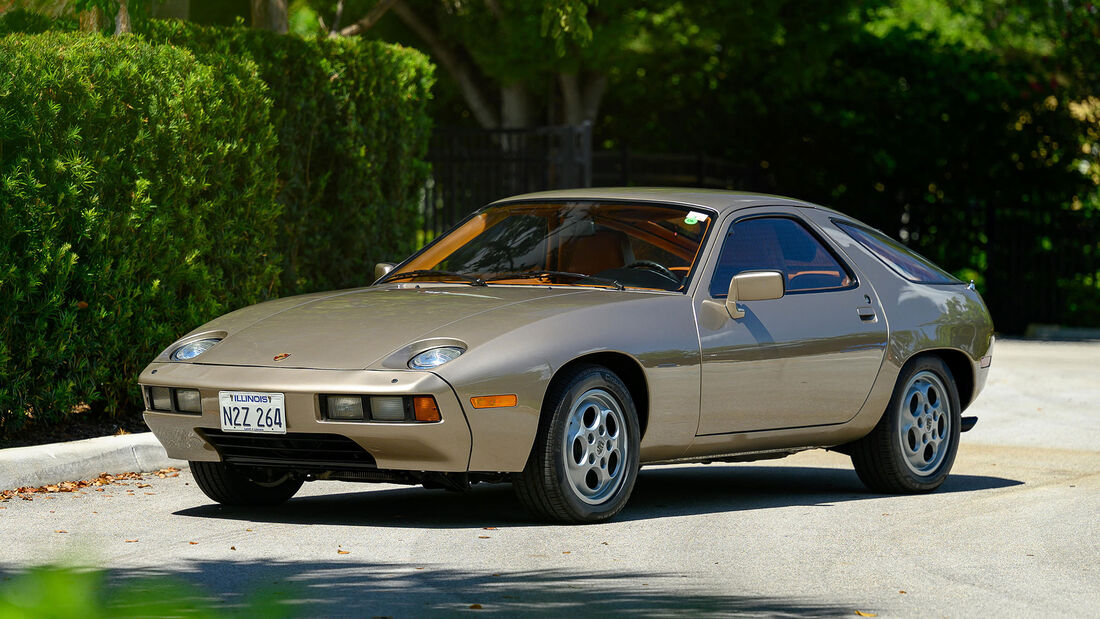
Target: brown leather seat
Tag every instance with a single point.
(603, 250)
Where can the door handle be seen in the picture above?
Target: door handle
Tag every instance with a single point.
(866, 314)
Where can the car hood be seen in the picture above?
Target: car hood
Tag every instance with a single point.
(350, 330)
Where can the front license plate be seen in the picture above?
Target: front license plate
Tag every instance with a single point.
(250, 411)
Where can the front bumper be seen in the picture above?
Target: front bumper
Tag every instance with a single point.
(442, 446)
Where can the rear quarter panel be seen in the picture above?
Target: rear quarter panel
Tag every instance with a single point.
(920, 318)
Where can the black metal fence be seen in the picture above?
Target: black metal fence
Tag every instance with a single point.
(1040, 264)
(472, 167)
(623, 167)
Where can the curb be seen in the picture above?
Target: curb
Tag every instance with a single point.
(40, 465)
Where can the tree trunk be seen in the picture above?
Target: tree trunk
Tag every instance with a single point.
(460, 71)
(570, 98)
(515, 106)
(373, 15)
(90, 20)
(270, 15)
(581, 102)
(595, 88)
(122, 20)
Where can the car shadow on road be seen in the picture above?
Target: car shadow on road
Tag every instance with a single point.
(361, 588)
(658, 493)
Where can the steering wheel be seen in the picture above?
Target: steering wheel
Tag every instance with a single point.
(657, 268)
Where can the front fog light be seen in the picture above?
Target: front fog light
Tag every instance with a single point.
(160, 398)
(188, 400)
(434, 357)
(345, 407)
(387, 408)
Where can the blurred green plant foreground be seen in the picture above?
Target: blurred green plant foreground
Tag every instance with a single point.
(146, 188)
(53, 592)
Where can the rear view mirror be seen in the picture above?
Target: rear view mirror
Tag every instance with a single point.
(753, 286)
(381, 269)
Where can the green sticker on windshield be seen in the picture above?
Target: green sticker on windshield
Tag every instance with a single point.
(694, 218)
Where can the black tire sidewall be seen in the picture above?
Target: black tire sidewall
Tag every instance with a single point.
(584, 380)
(909, 478)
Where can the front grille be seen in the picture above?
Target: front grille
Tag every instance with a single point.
(291, 450)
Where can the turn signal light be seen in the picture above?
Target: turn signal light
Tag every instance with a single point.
(494, 401)
(425, 409)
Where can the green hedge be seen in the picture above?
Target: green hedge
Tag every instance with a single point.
(149, 183)
(353, 132)
(136, 201)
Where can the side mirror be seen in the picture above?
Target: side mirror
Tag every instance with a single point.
(381, 269)
(753, 286)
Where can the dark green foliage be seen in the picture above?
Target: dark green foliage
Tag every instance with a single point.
(162, 185)
(350, 116)
(136, 202)
(27, 22)
(971, 157)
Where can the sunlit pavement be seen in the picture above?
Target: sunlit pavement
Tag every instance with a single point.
(1014, 531)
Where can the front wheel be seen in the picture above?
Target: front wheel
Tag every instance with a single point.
(914, 444)
(585, 459)
(231, 485)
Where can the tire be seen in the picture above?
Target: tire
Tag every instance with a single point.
(584, 463)
(230, 485)
(912, 448)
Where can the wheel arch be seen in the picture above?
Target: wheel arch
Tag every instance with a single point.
(626, 368)
(962, 370)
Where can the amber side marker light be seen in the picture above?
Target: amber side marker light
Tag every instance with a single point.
(425, 408)
(494, 401)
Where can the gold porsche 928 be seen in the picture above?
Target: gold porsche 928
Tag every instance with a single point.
(561, 340)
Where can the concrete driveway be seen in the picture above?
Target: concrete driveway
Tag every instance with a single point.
(1014, 531)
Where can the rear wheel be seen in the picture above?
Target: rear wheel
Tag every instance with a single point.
(585, 459)
(231, 485)
(914, 444)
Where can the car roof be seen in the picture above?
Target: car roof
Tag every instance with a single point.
(720, 200)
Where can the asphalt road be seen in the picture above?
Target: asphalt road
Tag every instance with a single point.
(1014, 531)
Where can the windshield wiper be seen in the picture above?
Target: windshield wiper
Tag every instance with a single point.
(470, 279)
(607, 280)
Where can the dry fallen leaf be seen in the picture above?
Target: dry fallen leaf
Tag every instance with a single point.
(343, 552)
(483, 537)
(61, 531)
(232, 547)
(130, 541)
(860, 613)
(902, 591)
(565, 552)
(145, 485)
(193, 543)
(475, 606)
(489, 528)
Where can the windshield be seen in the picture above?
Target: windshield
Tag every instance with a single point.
(572, 243)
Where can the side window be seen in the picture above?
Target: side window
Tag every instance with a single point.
(778, 244)
(906, 262)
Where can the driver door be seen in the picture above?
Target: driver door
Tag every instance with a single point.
(808, 358)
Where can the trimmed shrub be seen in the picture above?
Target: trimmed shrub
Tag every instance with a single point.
(136, 202)
(353, 132)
